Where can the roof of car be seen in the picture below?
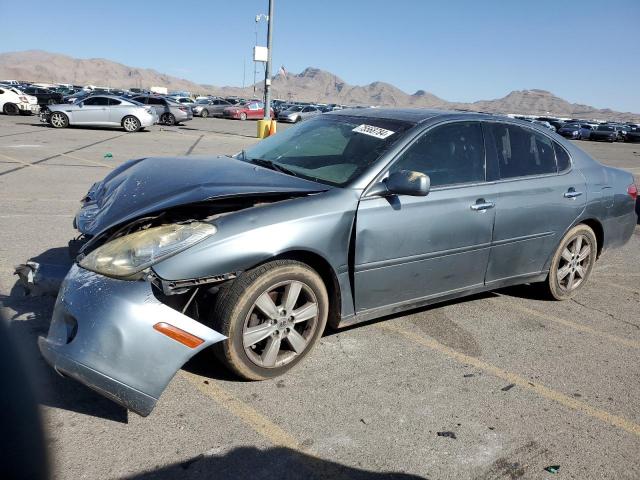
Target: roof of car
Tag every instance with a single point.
(414, 115)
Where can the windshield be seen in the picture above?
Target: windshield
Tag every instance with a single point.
(572, 126)
(295, 108)
(605, 128)
(331, 149)
(203, 101)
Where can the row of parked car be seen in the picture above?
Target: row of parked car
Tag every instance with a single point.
(576, 129)
(609, 132)
(136, 108)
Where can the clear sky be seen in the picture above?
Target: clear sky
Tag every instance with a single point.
(461, 50)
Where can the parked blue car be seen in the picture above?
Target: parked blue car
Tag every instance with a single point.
(349, 216)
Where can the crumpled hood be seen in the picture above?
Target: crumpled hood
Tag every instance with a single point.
(143, 186)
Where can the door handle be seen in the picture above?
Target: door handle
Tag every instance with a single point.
(571, 193)
(482, 205)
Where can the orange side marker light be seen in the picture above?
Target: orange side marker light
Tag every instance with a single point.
(178, 334)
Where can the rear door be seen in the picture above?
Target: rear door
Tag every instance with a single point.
(539, 197)
(158, 104)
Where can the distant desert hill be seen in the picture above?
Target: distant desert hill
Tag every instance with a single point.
(312, 85)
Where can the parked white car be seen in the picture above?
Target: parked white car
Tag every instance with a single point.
(13, 102)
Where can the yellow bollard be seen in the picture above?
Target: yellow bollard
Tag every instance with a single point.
(266, 128)
(263, 128)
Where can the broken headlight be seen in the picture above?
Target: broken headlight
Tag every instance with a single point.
(130, 254)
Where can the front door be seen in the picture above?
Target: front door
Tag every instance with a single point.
(540, 198)
(412, 248)
(92, 110)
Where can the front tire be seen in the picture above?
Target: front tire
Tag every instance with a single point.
(273, 316)
(572, 263)
(243, 116)
(59, 120)
(204, 113)
(131, 124)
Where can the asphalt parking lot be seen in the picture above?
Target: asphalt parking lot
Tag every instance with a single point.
(499, 385)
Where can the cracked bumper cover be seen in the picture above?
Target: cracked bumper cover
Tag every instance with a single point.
(102, 335)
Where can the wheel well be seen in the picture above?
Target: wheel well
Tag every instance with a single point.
(596, 226)
(328, 275)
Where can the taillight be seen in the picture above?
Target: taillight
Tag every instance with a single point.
(632, 190)
(184, 109)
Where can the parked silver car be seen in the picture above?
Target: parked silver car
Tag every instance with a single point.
(210, 107)
(168, 111)
(101, 111)
(343, 218)
(298, 113)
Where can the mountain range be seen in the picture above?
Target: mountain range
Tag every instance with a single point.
(312, 85)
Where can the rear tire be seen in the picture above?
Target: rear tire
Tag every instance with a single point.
(59, 120)
(168, 119)
(261, 345)
(572, 263)
(131, 124)
(10, 109)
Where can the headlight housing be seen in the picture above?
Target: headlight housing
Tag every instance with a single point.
(127, 256)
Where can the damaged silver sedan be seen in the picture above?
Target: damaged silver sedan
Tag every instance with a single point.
(349, 216)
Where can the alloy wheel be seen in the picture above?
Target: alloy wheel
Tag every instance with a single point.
(57, 120)
(130, 124)
(575, 262)
(280, 324)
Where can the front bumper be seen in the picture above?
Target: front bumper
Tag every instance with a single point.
(102, 335)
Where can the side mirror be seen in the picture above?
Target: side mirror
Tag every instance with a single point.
(80, 104)
(404, 182)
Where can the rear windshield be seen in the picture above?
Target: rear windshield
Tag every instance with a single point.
(605, 128)
(332, 149)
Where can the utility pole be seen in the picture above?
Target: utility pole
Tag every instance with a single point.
(267, 73)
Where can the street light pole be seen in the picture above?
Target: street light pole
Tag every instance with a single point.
(267, 73)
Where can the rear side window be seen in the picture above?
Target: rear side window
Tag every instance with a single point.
(522, 152)
(450, 154)
(113, 101)
(562, 157)
(156, 101)
(98, 101)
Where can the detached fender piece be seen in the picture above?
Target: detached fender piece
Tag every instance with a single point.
(102, 334)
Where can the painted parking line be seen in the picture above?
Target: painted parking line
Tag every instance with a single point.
(94, 162)
(254, 419)
(15, 160)
(510, 377)
(311, 466)
(627, 342)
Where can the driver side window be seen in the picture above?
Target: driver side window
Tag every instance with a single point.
(450, 154)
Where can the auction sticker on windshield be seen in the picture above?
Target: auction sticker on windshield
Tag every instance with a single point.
(373, 131)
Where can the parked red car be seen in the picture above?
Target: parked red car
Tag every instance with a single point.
(249, 110)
